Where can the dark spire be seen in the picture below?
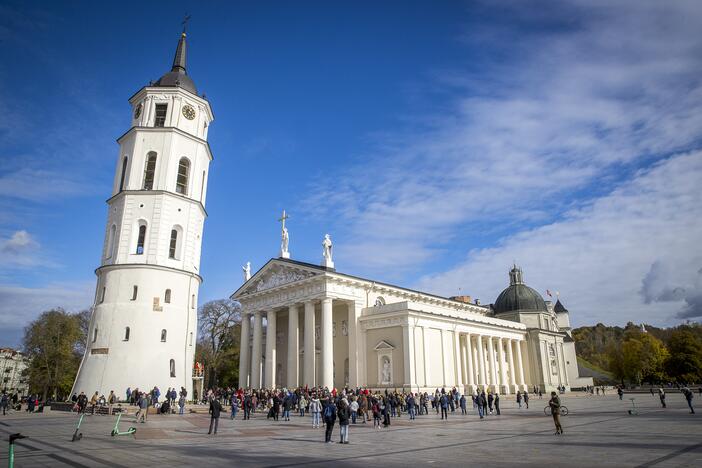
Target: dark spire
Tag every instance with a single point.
(179, 59)
(559, 308)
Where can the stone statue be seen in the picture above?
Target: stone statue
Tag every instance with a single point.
(344, 328)
(386, 370)
(285, 239)
(247, 271)
(327, 252)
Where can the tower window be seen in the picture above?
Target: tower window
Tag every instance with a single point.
(192, 302)
(202, 188)
(183, 173)
(102, 296)
(149, 171)
(160, 119)
(111, 241)
(164, 334)
(134, 292)
(95, 333)
(172, 367)
(124, 173)
(174, 241)
(167, 298)
(126, 334)
(141, 239)
(191, 338)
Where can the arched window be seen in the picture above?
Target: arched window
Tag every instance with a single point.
(191, 339)
(124, 174)
(95, 332)
(126, 334)
(172, 367)
(111, 241)
(149, 171)
(140, 239)
(134, 292)
(167, 298)
(174, 243)
(164, 334)
(183, 173)
(192, 302)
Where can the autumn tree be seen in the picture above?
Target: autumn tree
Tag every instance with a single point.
(685, 361)
(53, 343)
(639, 357)
(218, 347)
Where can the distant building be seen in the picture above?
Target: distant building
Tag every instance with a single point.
(12, 365)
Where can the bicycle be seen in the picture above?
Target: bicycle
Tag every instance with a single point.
(564, 411)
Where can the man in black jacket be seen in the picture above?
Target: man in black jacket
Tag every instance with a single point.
(329, 414)
(215, 409)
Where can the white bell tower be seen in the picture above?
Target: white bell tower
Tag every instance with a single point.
(144, 323)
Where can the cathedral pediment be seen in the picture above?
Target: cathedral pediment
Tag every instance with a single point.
(274, 275)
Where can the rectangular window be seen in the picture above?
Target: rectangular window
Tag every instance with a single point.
(160, 119)
(173, 244)
(192, 303)
(134, 293)
(102, 296)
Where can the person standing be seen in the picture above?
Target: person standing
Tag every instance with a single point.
(620, 392)
(353, 406)
(497, 403)
(462, 402)
(490, 399)
(555, 404)
(181, 405)
(215, 409)
(343, 414)
(329, 419)
(315, 409)
(4, 401)
(480, 403)
(525, 395)
(661, 395)
(519, 399)
(443, 403)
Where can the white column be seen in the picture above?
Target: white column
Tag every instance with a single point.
(469, 361)
(353, 312)
(271, 333)
(512, 370)
(408, 338)
(256, 351)
(293, 346)
(244, 357)
(458, 361)
(310, 349)
(327, 371)
(520, 365)
(504, 388)
(491, 356)
(482, 380)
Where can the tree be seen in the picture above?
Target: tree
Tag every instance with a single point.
(639, 357)
(219, 347)
(685, 361)
(53, 343)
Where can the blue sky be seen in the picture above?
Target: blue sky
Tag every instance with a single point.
(437, 142)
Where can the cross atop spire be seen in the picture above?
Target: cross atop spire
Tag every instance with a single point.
(185, 22)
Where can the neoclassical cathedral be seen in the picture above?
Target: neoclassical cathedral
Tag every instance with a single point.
(312, 325)
(143, 328)
(327, 328)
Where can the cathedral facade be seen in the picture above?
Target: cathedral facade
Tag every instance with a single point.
(143, 327)
(326, 328)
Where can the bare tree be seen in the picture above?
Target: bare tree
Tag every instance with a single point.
(218, 320)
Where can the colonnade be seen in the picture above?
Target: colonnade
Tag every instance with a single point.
(250, 366)
(494, 363)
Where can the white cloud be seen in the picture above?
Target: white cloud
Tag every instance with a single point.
(631, 255)
(20, 249)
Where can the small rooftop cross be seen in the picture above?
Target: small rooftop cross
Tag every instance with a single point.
(185, 22)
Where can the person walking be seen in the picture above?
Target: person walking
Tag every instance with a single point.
(143, 405)
(343, 413)
(688, 396)
(519, 399)
(661, 395)
(215, 409)
(620, 392)
(525, 395)
(555, 404)
(462, 402)
(329, 415)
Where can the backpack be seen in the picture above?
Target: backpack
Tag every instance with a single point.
(328, 411)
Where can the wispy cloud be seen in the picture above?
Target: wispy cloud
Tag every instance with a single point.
(579, 98)
(19, 250)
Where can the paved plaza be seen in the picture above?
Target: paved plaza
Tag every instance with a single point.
(598, 432)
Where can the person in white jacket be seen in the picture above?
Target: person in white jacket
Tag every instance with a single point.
(315, 409)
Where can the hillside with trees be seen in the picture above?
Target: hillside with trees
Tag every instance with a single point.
(635, 354)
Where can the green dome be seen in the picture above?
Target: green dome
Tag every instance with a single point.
(518, 296)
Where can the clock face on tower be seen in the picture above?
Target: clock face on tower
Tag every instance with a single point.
(188, 112)
(137, 111)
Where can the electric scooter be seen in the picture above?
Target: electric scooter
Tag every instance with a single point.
(77, 435)
(633, 411)
(11, 457)
(116, 432)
